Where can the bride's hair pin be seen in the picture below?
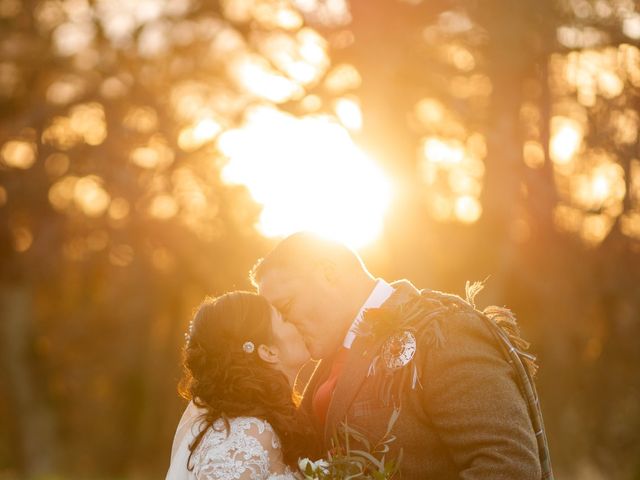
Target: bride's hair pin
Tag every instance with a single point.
(248, 347)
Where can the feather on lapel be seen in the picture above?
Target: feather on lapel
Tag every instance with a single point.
(357, 366)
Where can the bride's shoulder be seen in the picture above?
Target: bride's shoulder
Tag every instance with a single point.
(249, 440)
(245, 423)
(257, 428)
(241, 429)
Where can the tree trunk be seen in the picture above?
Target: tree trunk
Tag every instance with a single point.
(509, 60)
(33, 427)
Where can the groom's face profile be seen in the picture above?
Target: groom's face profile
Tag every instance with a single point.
(308, 299)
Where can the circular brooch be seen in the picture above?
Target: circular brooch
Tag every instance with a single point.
(398, 350)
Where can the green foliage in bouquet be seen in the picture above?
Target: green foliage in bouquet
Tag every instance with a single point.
(365, 460)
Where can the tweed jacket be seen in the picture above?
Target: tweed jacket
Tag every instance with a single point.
(468, 418)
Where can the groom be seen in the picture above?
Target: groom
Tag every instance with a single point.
(468, 408)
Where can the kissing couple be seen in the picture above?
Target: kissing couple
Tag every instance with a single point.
(411, 384)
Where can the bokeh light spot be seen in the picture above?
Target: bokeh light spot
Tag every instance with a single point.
(19, 154)
(468, 209)
(566, 139)
(437, 150)
(533, 154)
(22, 239)
(119, 209)
(348, 111)
(90, 197)
(163, 207)
(342, 77)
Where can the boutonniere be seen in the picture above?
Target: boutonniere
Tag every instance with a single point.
(377, 324)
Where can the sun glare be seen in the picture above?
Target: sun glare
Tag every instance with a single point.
(308, 175)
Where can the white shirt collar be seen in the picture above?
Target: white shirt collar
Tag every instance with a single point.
(380, 293)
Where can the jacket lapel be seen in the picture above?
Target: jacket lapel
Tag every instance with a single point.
(352, 377)
(358, 362)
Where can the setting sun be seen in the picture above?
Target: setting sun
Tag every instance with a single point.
(308, 175)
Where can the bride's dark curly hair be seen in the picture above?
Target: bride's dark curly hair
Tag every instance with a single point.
(228, 382)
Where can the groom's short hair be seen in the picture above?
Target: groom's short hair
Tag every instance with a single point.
(302, 249)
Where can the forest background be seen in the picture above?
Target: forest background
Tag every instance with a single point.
(151, 151)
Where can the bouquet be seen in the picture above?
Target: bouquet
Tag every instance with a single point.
(364, 460)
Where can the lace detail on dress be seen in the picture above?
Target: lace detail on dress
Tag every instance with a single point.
(251, 451)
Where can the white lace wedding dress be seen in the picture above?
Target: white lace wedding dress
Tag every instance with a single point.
(251, 450)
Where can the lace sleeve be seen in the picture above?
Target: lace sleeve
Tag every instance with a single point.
(251, 451)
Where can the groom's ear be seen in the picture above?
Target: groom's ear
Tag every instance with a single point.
(268, 354)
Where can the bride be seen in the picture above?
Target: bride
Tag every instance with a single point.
(240, 362)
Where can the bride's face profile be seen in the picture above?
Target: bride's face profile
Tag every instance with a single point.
(292, 350)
